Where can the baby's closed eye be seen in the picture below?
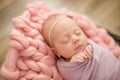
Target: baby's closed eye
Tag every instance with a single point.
(77, 32)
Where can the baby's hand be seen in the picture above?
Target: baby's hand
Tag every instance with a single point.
(79, 57)
(82, 56)
(88, 51)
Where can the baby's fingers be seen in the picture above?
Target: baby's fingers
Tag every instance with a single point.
(90, 48)
(80, 57)
(88, 52)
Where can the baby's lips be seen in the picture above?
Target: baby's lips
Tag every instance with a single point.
(79, 47)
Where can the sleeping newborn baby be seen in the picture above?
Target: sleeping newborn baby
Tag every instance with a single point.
(62, 41)
(78, 58)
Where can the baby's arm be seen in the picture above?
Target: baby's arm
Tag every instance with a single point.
(82, 56)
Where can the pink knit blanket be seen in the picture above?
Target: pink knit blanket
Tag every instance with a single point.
(29, 58)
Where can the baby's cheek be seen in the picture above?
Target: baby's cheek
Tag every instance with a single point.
(68, 48)
(71, 50)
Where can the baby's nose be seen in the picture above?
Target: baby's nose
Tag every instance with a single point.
(75, 39)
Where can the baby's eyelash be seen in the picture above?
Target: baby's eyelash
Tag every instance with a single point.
(77, 32)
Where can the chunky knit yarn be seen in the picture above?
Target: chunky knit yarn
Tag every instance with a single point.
(29, 58)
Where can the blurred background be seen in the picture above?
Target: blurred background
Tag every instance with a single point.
(105, 13)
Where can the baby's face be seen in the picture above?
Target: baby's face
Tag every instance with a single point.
(67, 38)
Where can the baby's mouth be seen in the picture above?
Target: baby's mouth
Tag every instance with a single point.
(78, 48)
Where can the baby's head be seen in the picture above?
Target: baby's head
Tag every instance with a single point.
(64, 36)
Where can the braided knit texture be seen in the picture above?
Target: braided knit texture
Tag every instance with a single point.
(29, 58)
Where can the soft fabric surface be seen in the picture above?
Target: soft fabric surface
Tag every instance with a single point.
(103, 66)
(29, 58)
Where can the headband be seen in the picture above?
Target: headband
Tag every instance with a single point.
(51, 28)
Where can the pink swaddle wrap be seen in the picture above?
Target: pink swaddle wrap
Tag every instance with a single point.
(29, 58)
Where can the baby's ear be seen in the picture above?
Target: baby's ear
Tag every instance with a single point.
(53, 49)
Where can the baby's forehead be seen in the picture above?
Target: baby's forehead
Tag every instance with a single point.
(64, 24)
